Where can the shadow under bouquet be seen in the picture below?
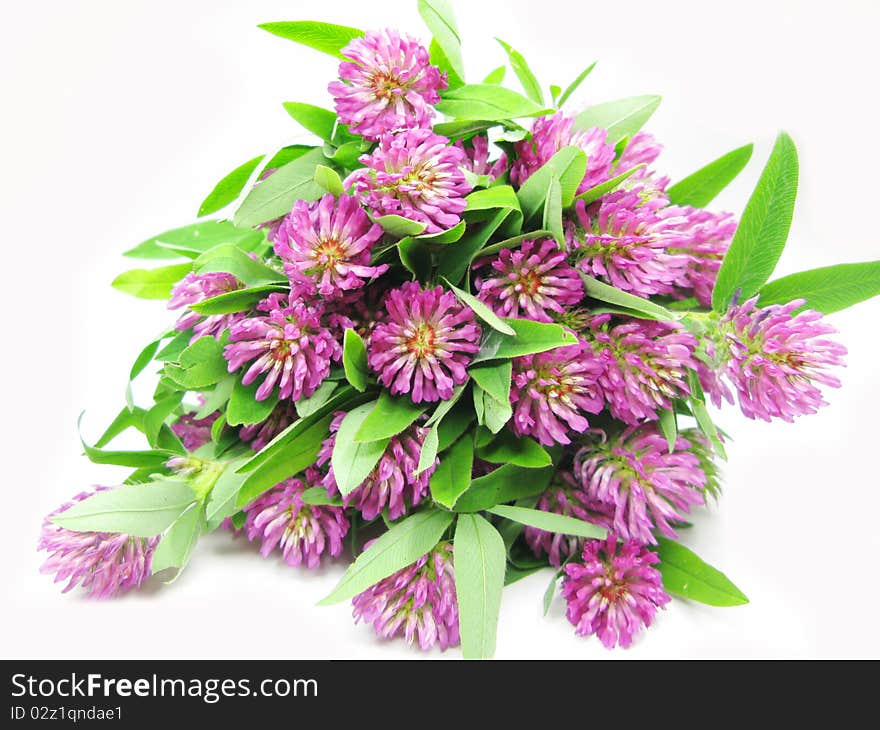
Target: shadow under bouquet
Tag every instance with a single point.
(465, 336)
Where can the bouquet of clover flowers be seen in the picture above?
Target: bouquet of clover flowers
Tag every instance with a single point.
(466, 337)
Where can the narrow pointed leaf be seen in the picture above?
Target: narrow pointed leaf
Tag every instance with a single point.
(480, 563)
(402, 545)
(829, 289)
(685, 574)
(324, 37)
(229, 188)
(763, 228)
(700, 188)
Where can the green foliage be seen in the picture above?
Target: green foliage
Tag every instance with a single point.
(316, 120)
(480, 563)
(389, 416)
(453, 475)
(354, 360)
(829, 289)
(622, 117)
(229, 188)
(141, 510)
(440, 19)
(352, 460)
(573, 86)
(530, 338)
(324, 37)
(700, 188)
(151, 283)
(763, 228)
(524, 73)
(275, 196)
(687, 575)
(403, 544)
(488, 102)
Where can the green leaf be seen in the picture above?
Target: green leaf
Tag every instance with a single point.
(318, 496)
(229, 188)
(687, 575)
(440, 19)
(171, 351)
(406, 542)
(524, 73)
(275, 196)
(573, 86)
(505, 484)
(176, 545)
(453, 265)
(451, 235)
(707, 426)
(462, 128)
(127, 418)
(549, 521)
(494, 378)
(569, 165)
(508, 449)
(829, 289)
(288, 154)
(453, 426)
(232, 260)
(498, 198)
(700, 188)
(329, 179)
(200, 365)
(480, 563)
(638, 306)
(481, 310)
(622, 117)
(144, 358)
(531, 338)
(551, 590)
(398, 226)
(453, 475)
(438, 59)
(236, 301)
(221, 502)
(353, 461)
(324, 37)
(194, 239)
(346, 155)
(553, 211)
(307, 406)
(487, 102)
(762, 230)
(669, 427)
(495, 76)
(415, 256)
(496, 413)
(244, 409)
(596, 192)
(141, 510)
(388, 417)
(151, 283)
(344, 398)
(515, 574)
(428, 452)
(354, 360)
(135, 459)
(318, 121)
(156, 415)
(514, 241)
(286, 462)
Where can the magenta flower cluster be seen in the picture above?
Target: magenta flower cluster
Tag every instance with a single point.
(520, 332)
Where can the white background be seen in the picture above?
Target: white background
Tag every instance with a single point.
(118, 117)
